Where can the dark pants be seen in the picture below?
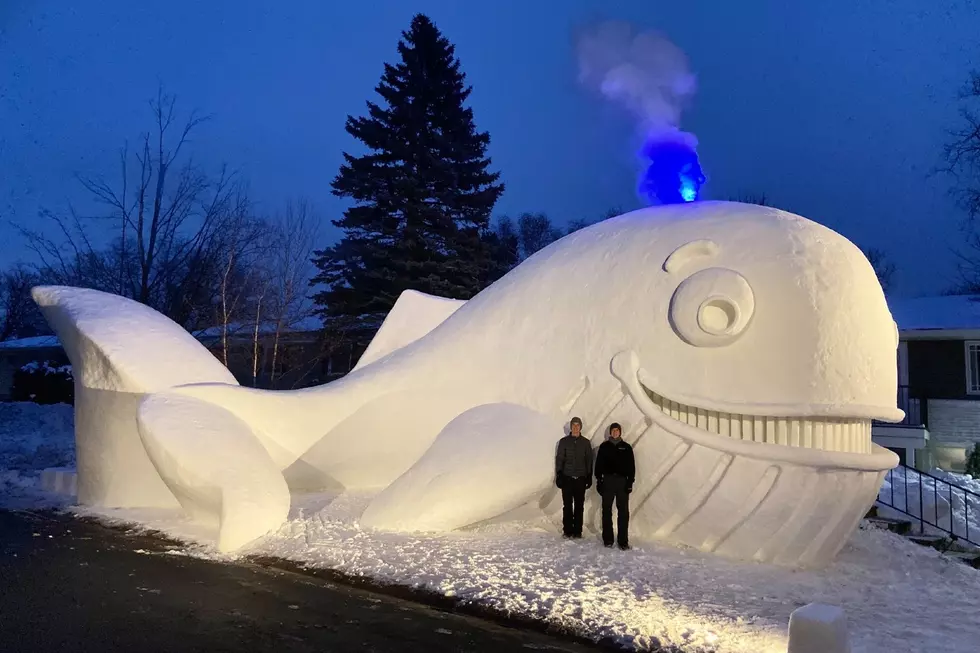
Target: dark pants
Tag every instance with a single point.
(573, 498)
(614, 489)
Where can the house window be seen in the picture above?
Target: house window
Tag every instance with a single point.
(972, 367)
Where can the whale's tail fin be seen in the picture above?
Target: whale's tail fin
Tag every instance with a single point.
(118, 344)
(120, 351)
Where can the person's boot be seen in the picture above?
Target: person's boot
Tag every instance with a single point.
(623, 546)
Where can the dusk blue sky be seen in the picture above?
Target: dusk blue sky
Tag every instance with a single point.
(836, 109)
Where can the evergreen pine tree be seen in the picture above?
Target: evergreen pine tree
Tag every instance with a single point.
(422, 194)
(973, 461)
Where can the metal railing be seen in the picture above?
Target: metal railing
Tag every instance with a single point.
(917, 504)
(914, 410)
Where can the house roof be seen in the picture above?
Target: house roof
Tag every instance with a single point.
(943, 313)
(37, 342)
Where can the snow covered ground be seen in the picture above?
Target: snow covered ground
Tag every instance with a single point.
(901, 489)
(898, 596)
(32, 438)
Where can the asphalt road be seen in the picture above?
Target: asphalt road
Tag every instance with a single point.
(72, 585)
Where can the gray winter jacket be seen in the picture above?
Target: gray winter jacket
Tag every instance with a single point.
(574, 456)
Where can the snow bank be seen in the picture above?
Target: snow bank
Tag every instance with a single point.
(32, 438)
(898, 596)
(901, 489)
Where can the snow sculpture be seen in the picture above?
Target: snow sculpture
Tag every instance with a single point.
(744, 350)
(122, 351)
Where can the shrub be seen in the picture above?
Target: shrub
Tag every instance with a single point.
(973, 461)
(44, 382)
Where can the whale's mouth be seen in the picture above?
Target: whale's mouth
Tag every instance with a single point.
(829, 433)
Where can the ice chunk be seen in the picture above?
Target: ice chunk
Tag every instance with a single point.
(818, 628)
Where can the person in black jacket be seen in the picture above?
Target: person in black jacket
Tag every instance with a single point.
(573, 474)
(615, 470)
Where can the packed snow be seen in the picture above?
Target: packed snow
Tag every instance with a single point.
(734, 316)
(897, 596)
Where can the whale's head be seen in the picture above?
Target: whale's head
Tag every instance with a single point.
(749, 314)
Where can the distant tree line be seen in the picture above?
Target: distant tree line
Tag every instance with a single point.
(420, 192)
(191, 244)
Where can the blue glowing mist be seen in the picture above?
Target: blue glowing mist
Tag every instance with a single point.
(673, 174)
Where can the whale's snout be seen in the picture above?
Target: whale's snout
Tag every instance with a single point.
(786, 319)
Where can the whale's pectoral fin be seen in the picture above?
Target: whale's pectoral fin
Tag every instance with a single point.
(488, 460)
(218, 470)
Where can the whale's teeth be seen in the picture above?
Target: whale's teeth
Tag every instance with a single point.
(830, 433)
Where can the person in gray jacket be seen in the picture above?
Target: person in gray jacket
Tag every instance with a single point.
(573, 474)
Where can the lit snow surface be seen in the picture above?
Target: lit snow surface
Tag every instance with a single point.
(898, 596)
(707, 330)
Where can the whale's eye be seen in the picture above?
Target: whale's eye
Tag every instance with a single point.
(712, 308)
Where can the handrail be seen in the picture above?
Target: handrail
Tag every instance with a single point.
(923, 518)
(913, 407)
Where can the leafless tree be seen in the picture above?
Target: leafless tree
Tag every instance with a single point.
(751, 198)
(240, 277)
(963, 151)
(883, 267)
(19, 315)
(283, 295)
(173, 223)
(962, 165)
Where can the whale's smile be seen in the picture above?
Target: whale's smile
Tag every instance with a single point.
(831, 433)
(836, 434)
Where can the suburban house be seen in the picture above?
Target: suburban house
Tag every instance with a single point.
(938, 381)
(300, 360)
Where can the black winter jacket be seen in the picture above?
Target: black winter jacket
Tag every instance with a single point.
(615, 457)
(574, 456)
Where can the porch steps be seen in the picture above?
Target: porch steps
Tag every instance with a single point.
(941, 543)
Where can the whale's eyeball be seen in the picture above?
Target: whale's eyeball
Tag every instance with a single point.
(712, 308)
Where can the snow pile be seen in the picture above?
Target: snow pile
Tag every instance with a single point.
(901, 489)
(897, 595)
(32, 438)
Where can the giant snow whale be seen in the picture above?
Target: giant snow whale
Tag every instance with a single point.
(745, 351)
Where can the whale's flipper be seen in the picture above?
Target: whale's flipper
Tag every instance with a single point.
(414, 315)
(488, 460)
(218, 470)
